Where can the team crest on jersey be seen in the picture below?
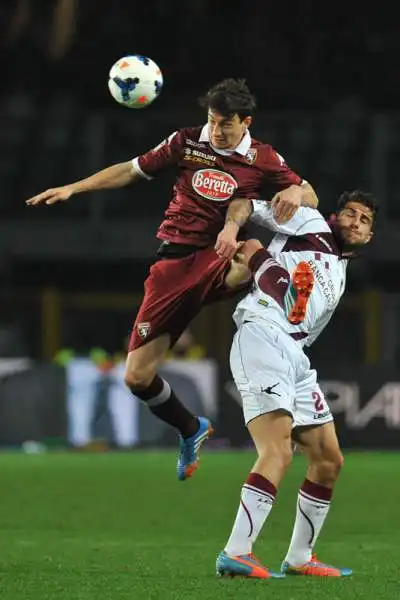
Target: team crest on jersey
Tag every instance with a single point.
(143, 330)
(251, 156)
(214, 185)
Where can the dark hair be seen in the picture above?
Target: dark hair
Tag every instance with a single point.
(364, 198)
(230, 97)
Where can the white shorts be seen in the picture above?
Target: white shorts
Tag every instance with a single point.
(272, 372)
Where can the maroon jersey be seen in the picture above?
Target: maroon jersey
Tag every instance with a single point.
(209, 179)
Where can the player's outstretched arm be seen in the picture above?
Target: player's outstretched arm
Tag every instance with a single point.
(115, 176)
(237, 214)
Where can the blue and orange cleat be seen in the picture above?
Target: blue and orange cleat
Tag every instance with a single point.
(298, 293)
(243, 566)
(315, 568)
(189, 448)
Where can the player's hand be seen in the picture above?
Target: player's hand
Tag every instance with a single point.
(226, 244)
(51, 196)
(286, 203)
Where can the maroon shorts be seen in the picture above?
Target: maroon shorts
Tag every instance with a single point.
(174, 292)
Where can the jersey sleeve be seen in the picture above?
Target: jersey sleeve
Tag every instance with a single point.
(277, 172)
(305, 219)
(166, 154)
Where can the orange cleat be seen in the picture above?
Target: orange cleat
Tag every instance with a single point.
(245, 565)
(315, 568)
(298, 293)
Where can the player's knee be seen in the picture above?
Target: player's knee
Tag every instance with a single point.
(280, 451)
(249, 248)
(237, 275)
(340, 461)
(252, 245)
(335, 462)
(329, 466)
(138, 378)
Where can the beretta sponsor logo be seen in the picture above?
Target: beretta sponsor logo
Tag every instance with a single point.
(214, 185)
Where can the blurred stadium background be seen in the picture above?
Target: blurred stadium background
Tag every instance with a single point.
(72, 276)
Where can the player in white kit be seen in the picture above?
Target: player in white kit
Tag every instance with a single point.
(298, 282)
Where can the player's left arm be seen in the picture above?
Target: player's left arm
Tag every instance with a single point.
(294, 193)
(241, 209)
(304, 220)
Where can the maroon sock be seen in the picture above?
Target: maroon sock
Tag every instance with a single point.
(164, 404)
(316, 490)
(255, 480)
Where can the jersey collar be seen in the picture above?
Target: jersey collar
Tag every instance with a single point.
(242, 148)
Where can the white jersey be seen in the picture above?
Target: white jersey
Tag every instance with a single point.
(306, 237)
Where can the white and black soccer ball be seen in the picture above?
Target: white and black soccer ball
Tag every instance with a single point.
(135, 81)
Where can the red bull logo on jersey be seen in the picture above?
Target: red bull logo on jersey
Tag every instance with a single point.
(214, 185)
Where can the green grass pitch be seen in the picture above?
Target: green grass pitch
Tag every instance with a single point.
(120, 526)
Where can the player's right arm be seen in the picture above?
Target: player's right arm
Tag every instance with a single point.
(112, 177)
(164, 155)
(238, 212)
(263, 214)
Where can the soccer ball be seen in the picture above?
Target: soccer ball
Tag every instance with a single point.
(135, 81)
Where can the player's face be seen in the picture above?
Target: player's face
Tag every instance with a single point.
(226, 132)
(355, 221)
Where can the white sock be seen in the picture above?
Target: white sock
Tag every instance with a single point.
(313, 503)
(256, 501)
